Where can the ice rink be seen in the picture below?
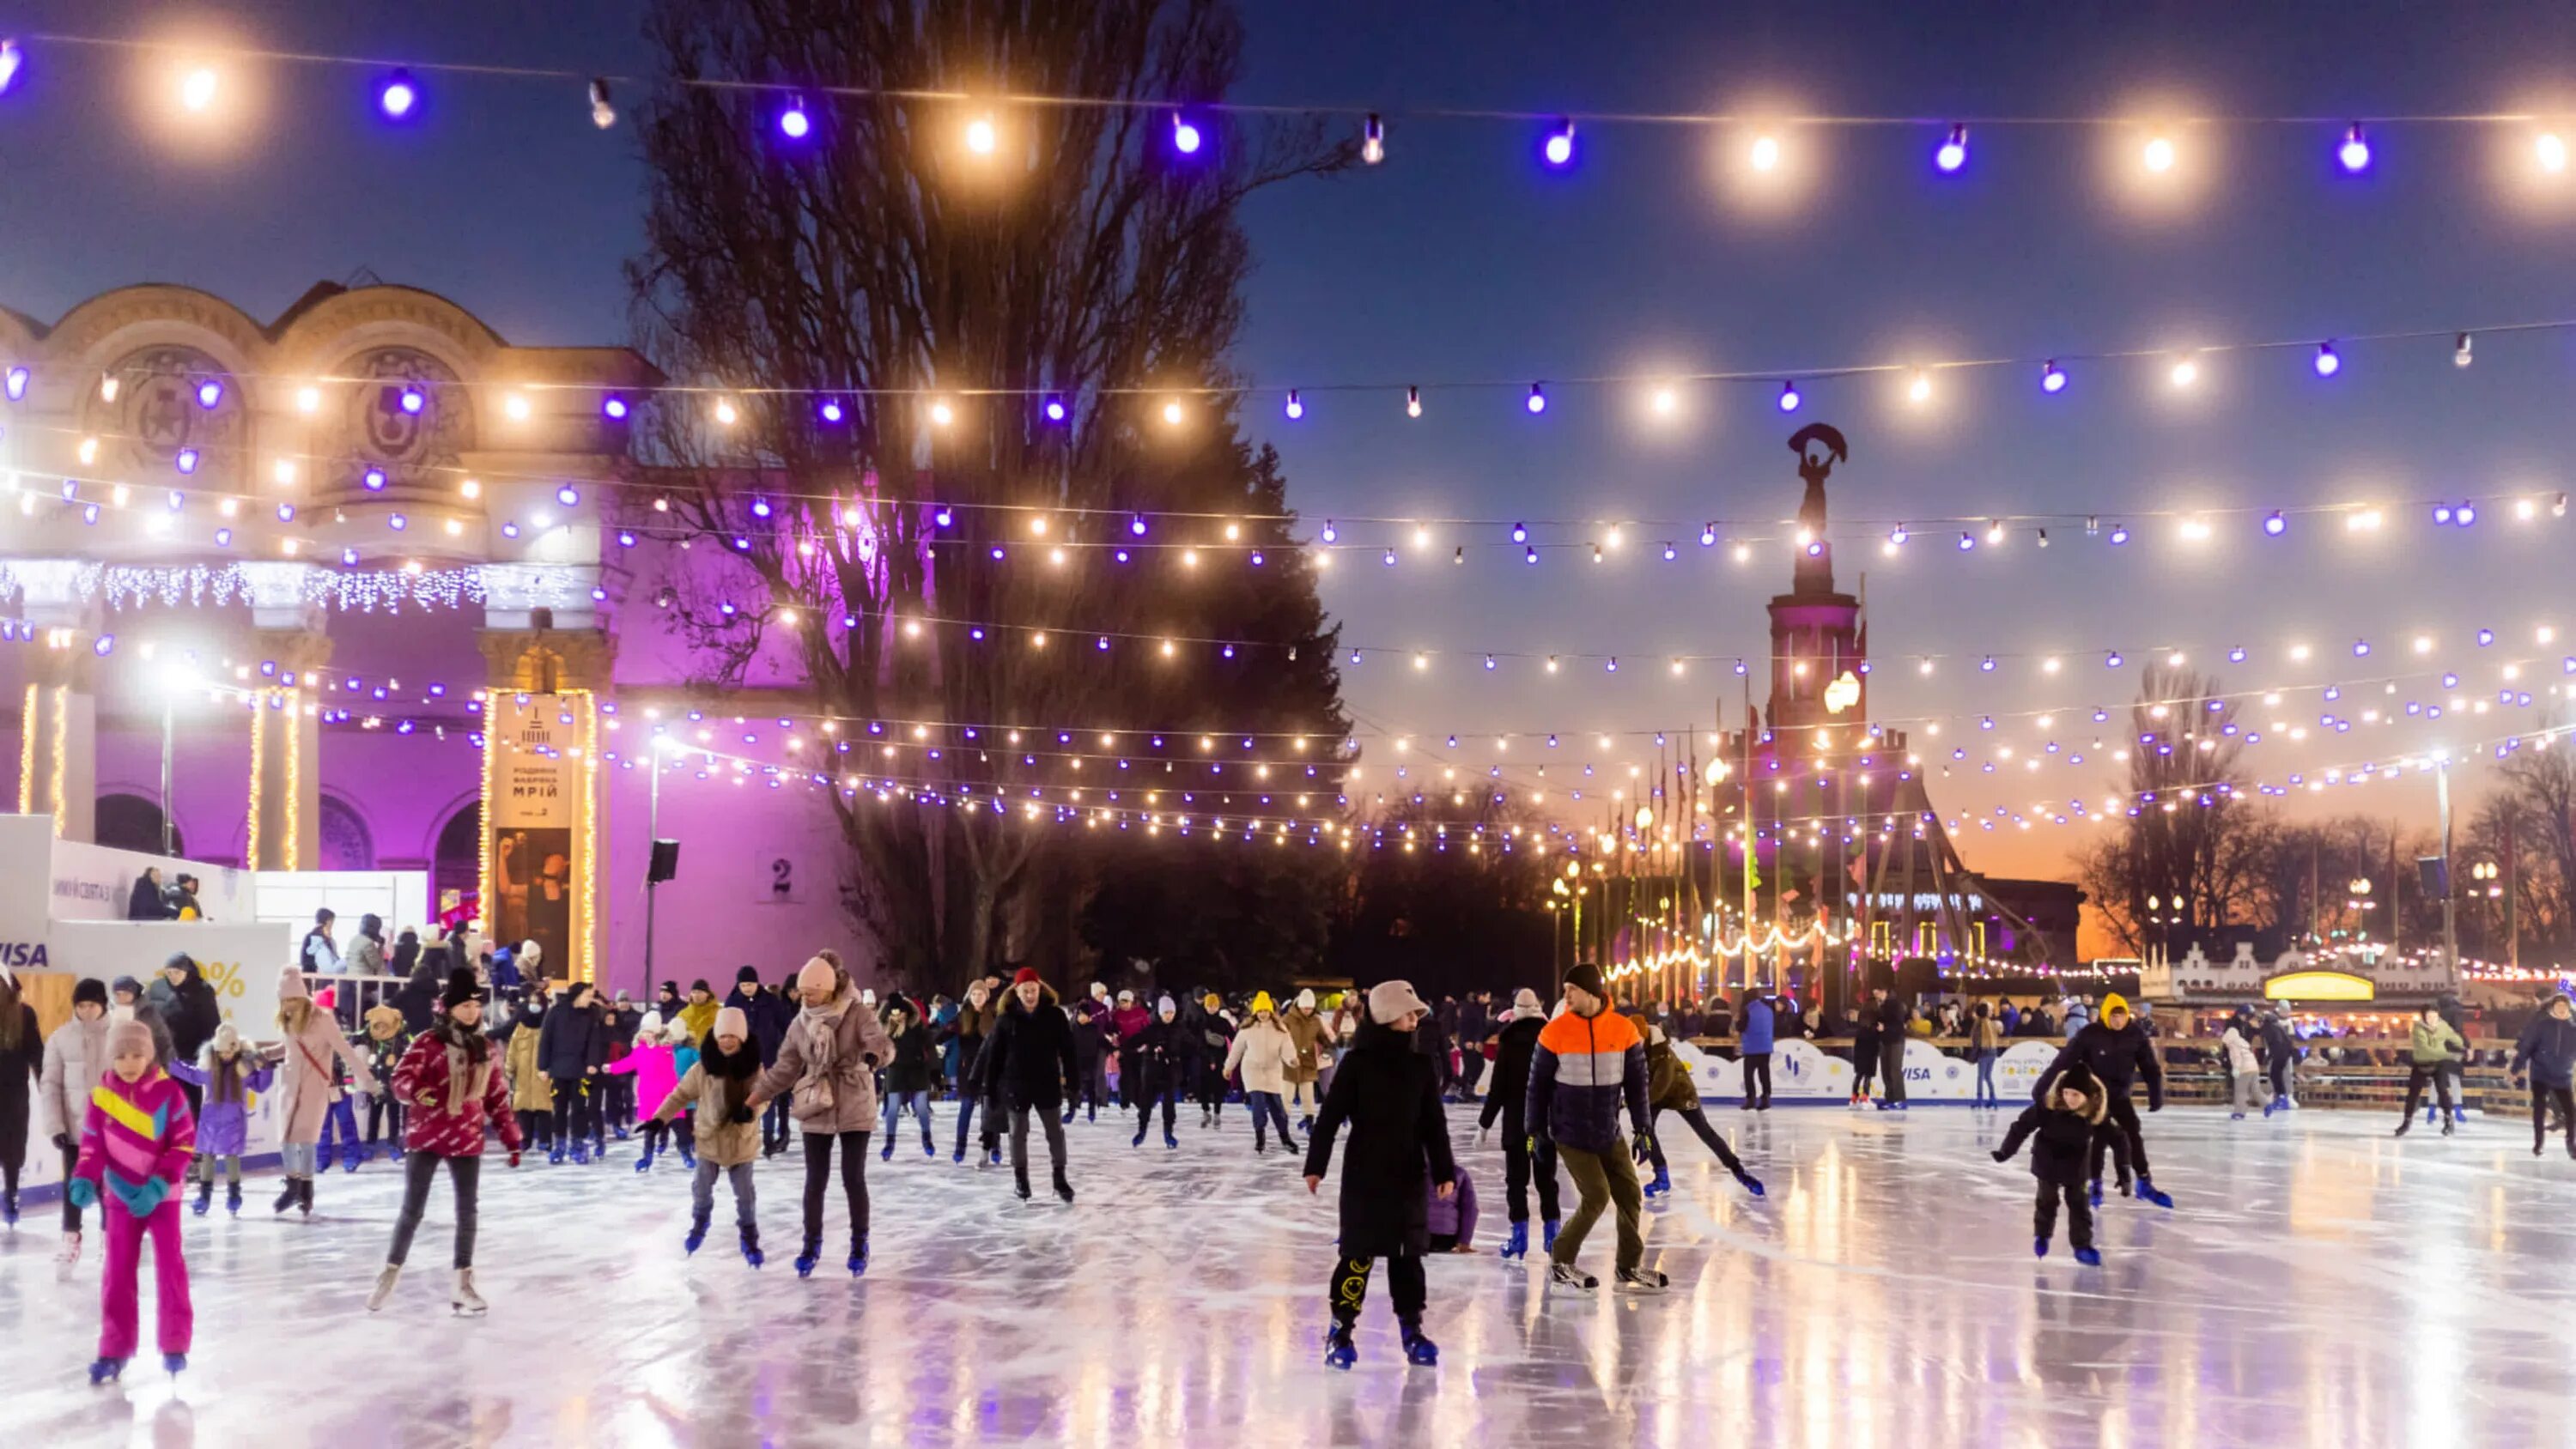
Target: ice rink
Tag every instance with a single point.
(2318, 1283)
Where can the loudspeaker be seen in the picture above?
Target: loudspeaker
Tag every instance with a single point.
(2433, 873)
(666, 862)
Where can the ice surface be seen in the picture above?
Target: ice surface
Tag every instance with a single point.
(2319, 1283)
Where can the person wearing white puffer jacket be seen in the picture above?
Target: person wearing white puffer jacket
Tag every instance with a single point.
(75, 1058)
(1266, 1054)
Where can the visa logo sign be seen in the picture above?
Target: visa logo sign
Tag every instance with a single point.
(22, 955)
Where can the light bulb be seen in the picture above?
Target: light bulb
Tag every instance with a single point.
(2460, 353)
(1373, 140)
(2159, 155)
(1413, 402)
(942, 414)
(602, 114)
(613, 408)
(516, 407)
(210, 394)
(2276, 524)
(1920, 389)
(793, 123)
(2354, 153)
(1172, 412)
(2327, 362)
(197, 90)
(16, 383)
(1537, 401)
(1295, 409)
(308, 400)
(1185, 136)
(2052, 378)
(1558, 148)
(1954, 151)
(2185, 373)
(1665, 401)
(1789, 397)
(2551, 152)
(12, 60)
(726, 413)
(981, 138)
(1766, 153)
(397, 96)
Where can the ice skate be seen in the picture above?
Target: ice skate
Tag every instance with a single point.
(1517, 1244)
(644, 1160)
(555, 1155)
(806, 1260)
(2149, 1192)
(1063, 1189)
(858, 1263)
(205, 1199)
(1206, 1119)
(174, 1364)
(1021, 1186)
(886, 1153)
(697, 1234)
(581, 1154)
(1569, 1276)
(1418, 1349)
(957, 1158)
(9, 1208)
(1339, 1351)
(232, 1198)
(1642, 1280)
(285, 1197)
(688, 1155)
(384, 1289)
(1751, 1183)
(1169, 1140)
(2403, 1124)
(621, 1134)
(1306, 1124)
(2039, 1247)
(69, 1256)
(2448, 1129)
(1660, 1184)
(1139, 1139)
(2089, 1257)
(928, 1150)
(1068, 1116)
(751, 1247)
(993, 1156)
(463, 1301)
(2095, 1192)
(101, 1370)
(304, 1196)
(1547, 1227)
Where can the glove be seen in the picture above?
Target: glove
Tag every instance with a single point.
(1645, 1146)
(63, 1141)
(514, 1157)
(146, 1199)
(2001, 1156)
(84, 1193)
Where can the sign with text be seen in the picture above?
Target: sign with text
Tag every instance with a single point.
(536, 809)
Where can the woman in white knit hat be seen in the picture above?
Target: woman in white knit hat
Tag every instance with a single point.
(305, 1094)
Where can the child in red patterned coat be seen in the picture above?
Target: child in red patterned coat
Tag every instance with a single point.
(136, 1142)
(453, 1083)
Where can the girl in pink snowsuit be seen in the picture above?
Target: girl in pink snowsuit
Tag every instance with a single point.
(136, 1142)
(654, 1064)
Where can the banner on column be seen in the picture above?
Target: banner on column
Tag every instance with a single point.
(536, 854)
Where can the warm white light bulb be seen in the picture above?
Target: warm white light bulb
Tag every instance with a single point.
(981, 138)
(2185, 373)
(308, 400)
(2159, 155)
(942, 414)
(1920, 389)
(516, 406)
(1766, 153)
(197, 89)
(2551, 152)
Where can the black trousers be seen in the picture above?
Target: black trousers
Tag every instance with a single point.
(537, 1128)
(1520, 1165)
(2280, 1074)
(1146, 1094)
(854, 1180)
(384, 1111)
(2417, 1074)
(1698, 1119)
(2542, 1098)
(1757, 1079)
(1891, 1065)
(71, 1209)
(774, 1121)
(464, 1173)
(2079, 1213)
(1864, 1067)
(1471, 1070)
(619, 1105)
(2122, 1121)
(576, 1110)
(1404, 1279)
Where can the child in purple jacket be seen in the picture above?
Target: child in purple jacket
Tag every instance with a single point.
(228, 1071)
(1453, 1219)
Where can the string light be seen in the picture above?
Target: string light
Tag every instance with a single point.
(197, 89)
(1537, 402)
(1295, 409)
(602, 114)
(793, 123)
(1372, 140)
(2159, 155)
(2327, 363)
(2551, 152)
(1413, 402)
(2354, 153)
(1558, 148)
(12, 60)
(1788, 402)
(1765, 154)
(981, 138)
(397, 96)
(1953, 152)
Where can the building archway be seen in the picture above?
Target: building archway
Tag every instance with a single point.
(131, 822)
(345, 841)
(456, 861)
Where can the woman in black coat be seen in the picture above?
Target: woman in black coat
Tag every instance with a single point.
(571, 1048)
(1389, 1094)
(22, 1063)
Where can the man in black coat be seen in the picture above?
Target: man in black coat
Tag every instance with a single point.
(768, 1015)
(1507, 1099)
(1026, 1062)
(1475, 1028)
(1891, 1017)
(571, 1048)
(1386, 1090)
(2116, 1052)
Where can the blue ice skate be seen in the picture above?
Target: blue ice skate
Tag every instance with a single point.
(101, 1370)
(1517, 1245)
(1751, 1183)
(2039, 1247)
(644, 1162)
(806, 1260)
(175, 1363)
(1418, 1349)
(2089, 1257)
(1339, 1351)
(1547, 1229)
(1662, 1184)
(858, 1256)
(2095, 1192)
(1171, 1141)
(2154, 1194)
(697, 1234)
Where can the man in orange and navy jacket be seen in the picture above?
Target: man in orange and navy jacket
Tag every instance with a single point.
(1588, 1061)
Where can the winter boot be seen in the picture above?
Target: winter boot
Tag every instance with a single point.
(1642, 1280)
(2089, 1257)
(1339, 1351)
(1417, 1349)
(1063, 1189)
(174, 1364)
(858, 1264)
(1571, 1276)
(751, 1247)
(101, 1370)
(462, 1300)
(232, 1198)
(1662, 1183)
(2149, 1192)
(1020, 1184)
(384, 1289)
(1517, 1245)
(806, 1260)
(2039, 1247)
(1751, 1183)
(205, 1199)
(555, 1155)
(286, 1196)
(697, 1233)
(1547, 1228)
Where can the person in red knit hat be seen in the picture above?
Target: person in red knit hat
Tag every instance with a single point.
(453, 1085)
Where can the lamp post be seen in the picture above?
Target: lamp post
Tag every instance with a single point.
(652, 839)
(180, 680)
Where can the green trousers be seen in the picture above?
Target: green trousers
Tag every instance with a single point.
(1602, 1178)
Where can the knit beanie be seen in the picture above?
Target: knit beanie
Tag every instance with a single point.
(650, 1027)
(227, 1037)
(1587, 976)
(731, 1022)
(1212, 1001)
(1028, 976)
(1165, 1006)
(128, 985)
(1261, 1003)
(1306, 999)
(748, 973)
(1392, 1001)
(461, 988)
(290, 985)
(91, 990)
(1525, 1002)
(129, 1036)
(818, 975)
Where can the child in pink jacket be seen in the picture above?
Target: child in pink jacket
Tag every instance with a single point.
(136, 1142)
(654, 1063)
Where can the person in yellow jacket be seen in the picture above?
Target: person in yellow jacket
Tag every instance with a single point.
(532, 1097)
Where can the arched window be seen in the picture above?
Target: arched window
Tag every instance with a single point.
(345, 843)
(458, 860)
(131, 822)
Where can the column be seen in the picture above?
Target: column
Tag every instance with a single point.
(289, 635)
(546, 666)
(58, 709)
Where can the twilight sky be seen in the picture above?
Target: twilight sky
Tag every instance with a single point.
(1458, 259)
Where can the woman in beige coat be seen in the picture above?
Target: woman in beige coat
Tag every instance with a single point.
(304, 1089)
(826, 1068)
(1314, 1048)
(1267, 1054)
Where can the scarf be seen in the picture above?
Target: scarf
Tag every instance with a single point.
(469, 1067)
(822, 1050)
(732, 1076)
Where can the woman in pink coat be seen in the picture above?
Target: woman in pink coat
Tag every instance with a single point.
(826, 1068)
(304, 1092)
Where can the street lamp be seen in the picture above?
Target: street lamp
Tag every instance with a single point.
(180, 680)
(2485, 874)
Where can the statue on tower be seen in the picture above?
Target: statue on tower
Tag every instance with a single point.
(1819, 447)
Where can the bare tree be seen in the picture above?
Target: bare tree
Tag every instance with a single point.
(933, 292)
(2529, 827)
(2194, 840)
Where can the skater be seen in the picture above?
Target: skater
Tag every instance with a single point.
(1131, 1019)
(1265, 1054)
(2115, 1051)
(136, 1140)
(1027, 1062)
(966, 1037)
(1524, 1154)
(908, 1074)
(2281, 1059)
(718, 1086)
(387, 1039)
(1452, 1219)
(571, 1048)
(22, 1070)
(652, 1067)
(1095, 1039)
(1895, 1022)
(698, 1017)
(1314, 1050)
(453, 1086)
(2548, 1048)
(75, 1058)
(225, 1077)
(305, 1094)
(2066, 1123)
(828, 1060)
(189, 1009)
(1589, 1061)
(532, 1097)
(1753, 1045)
(767, 1013)
(617, 1089)
(130, 1004)
(2244, 1071)
(1389, 1093)
(1864, 1051)
(1669, 1089)
(2433, 1045)
(1214, 1037)
(2458, 1066)
(1986, 1039)
(1151, 1063)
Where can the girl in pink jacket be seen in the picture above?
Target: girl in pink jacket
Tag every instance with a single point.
(654, 1063)
(136, 1142)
